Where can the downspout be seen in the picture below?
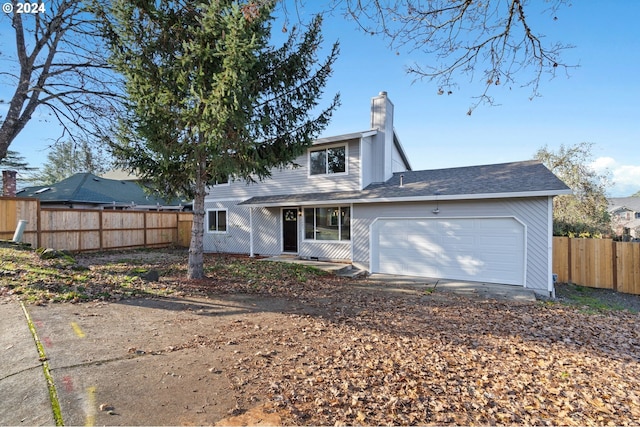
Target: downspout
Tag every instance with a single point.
(251, 254)
(352, 228)
(17, 236)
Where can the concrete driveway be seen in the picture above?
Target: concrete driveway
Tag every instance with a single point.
(139, 362)
(389, 282)
(166, 361)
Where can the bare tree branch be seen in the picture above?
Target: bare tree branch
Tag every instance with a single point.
(61, 66)
(491, 41)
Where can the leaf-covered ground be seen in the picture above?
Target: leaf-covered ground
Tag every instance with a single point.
(366, 356)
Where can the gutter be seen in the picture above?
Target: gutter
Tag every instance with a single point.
(439, 197)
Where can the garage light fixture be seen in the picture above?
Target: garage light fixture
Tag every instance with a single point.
(436, 211)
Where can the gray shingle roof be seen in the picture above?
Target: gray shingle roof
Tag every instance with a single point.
(631, 203)
(517, 179)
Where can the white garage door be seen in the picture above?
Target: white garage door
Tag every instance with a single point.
(476, 249)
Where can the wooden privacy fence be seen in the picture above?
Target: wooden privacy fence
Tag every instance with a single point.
(13, 209)
(90, 229)
(598, 263)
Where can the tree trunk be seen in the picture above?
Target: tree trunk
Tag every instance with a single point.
(196, 248)
(14, 122)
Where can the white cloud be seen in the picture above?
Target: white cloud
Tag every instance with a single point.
(603, 163)
(626, 178)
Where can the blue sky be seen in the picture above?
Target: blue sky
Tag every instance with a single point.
(597, 103)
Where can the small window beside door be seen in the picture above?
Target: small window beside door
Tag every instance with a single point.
(327, 223)
(217, 221)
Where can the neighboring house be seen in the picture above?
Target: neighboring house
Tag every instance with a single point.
(625, 217)
(354, 198)
(120, 175)
(88, 191)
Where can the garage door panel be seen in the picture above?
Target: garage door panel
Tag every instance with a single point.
(470, 265)
(394, 243)
(416, 243)
(479, 249)
(402, 255)
(410, 265)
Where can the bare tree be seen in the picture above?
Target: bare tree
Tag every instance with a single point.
(585, 212)
(491, 41)
(60, 66)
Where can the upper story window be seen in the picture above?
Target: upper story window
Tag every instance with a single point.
(221, 180)
(328, 160)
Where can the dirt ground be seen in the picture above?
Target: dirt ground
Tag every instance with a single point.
(324, 352)
(162, 361)
(356, 359)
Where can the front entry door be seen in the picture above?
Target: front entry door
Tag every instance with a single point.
(290, 230)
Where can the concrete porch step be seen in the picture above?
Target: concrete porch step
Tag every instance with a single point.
(337, 268)
(350, 271)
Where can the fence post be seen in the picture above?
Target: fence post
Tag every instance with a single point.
(614, 262)
(144, 228)
(38, 225)
(80, 236)
(569, 263)
(100, 219)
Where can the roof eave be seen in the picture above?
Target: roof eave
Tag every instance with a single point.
(345, 137)
(443, 197)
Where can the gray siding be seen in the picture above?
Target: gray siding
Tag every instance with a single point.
(367, 162)
(296, 180)
(397, 164)
(338, 251)
(531, 211)
(234, 240)
(267, 232)
(267, 235)
(266, 225)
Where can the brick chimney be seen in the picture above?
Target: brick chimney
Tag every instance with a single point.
(9, 183)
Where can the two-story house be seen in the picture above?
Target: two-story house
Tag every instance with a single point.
(625, 217)
(354, 198)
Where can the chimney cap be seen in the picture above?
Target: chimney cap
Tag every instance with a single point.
(383, 93)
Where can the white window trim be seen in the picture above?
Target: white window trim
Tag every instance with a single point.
(226, 216)
(328, 147)
(224, 184)
(314, 240)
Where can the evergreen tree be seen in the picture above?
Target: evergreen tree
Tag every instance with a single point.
(14, 161)
(68, 158)
(209, 97)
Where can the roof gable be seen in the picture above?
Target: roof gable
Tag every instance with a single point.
(628, 203)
